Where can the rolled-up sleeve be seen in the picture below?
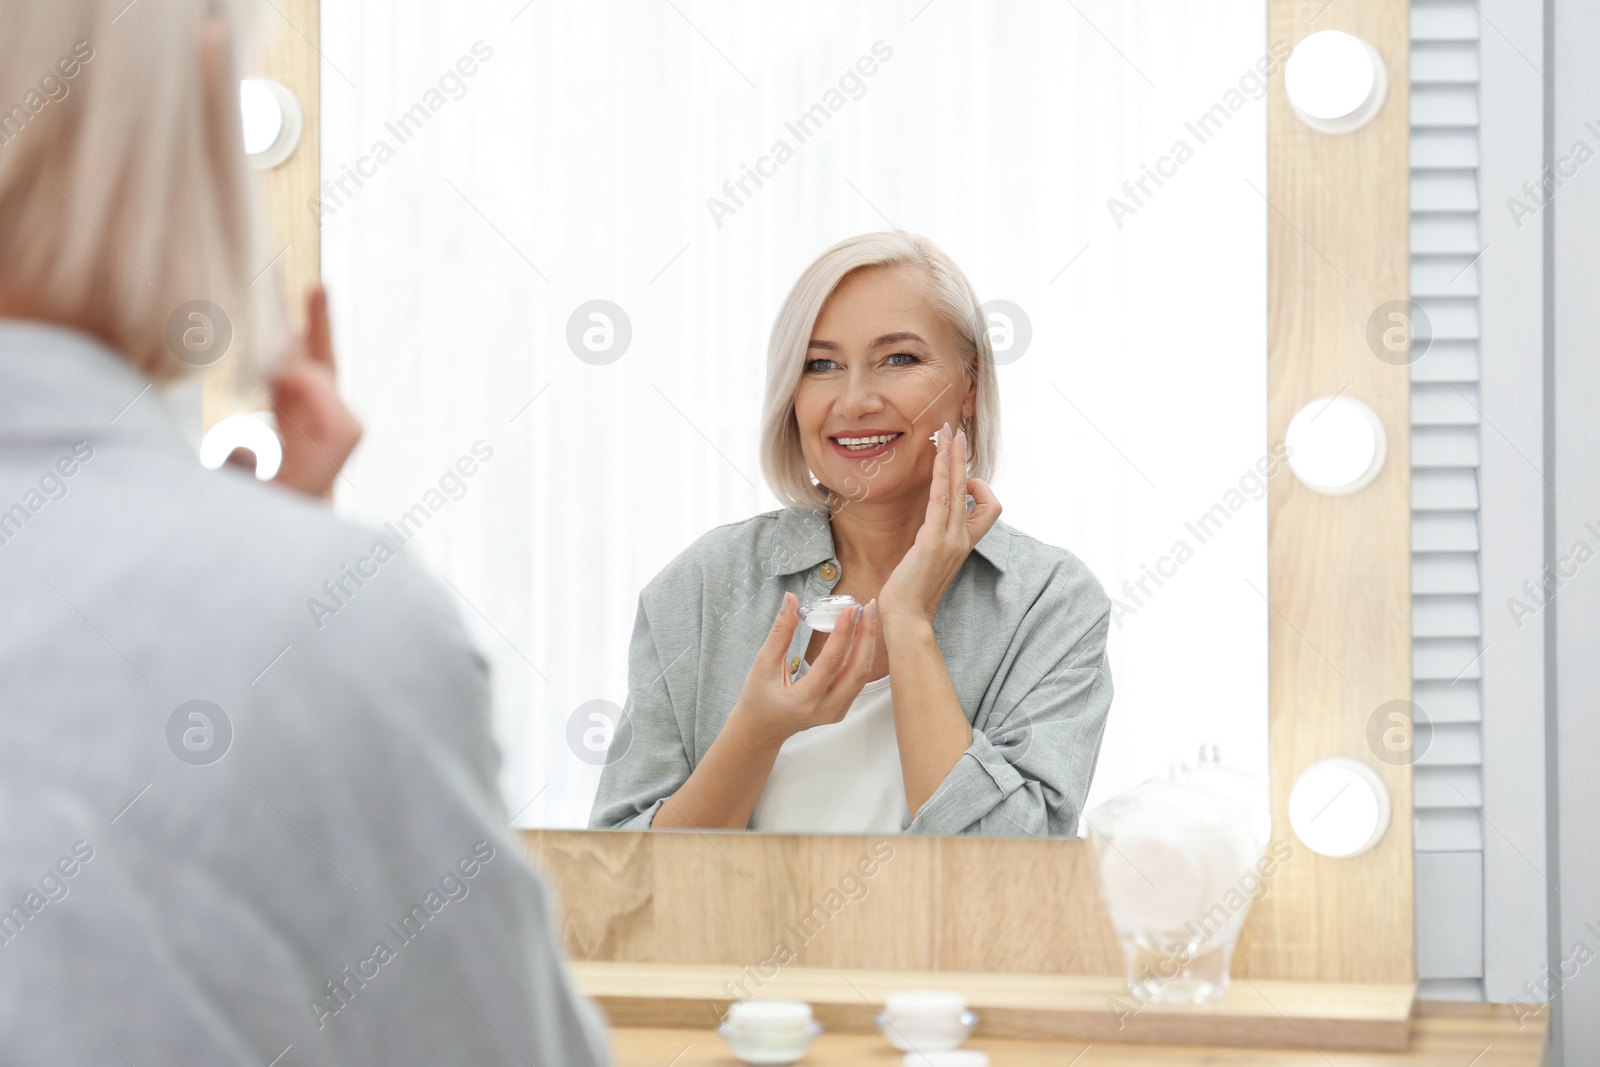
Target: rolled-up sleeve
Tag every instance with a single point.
(647, 761)
(1028, 769)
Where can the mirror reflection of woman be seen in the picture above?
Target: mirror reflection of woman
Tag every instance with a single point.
(969, 691)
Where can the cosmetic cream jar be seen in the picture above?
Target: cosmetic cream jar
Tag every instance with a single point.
(769, 1031)
(824, 611)
(961, 1057)
(926, 1020)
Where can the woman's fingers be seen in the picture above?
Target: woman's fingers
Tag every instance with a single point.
(845, 681)
(863, 647)
(956, 485)
(835, 648)
(782, 632)
(985, 511)
(939, 485)
(319, 432)
(319, 334)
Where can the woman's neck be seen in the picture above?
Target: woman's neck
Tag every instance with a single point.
(870, 538)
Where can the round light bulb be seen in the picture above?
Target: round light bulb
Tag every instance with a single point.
(252, 432)
(1336, 445)
(1336, 82)
(1339, 807)
(272, 122)
(263, 116)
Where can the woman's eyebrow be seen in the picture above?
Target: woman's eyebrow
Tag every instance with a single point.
(886, 339)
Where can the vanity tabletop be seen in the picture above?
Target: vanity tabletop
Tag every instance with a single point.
(1443, 1034)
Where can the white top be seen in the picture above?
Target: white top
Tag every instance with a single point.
(840, 778)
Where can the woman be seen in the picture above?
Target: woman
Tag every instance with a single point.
(224, 829)
(969, 692)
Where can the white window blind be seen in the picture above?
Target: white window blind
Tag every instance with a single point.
(1447, 607)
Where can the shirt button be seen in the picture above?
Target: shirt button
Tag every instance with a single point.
(794, 664)
(828, 571)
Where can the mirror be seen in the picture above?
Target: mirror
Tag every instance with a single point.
(558, 240)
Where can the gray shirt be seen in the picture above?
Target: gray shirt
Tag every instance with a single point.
(1022, 628)
(228, 834)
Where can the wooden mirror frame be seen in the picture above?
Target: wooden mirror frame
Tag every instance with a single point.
(1340, 637)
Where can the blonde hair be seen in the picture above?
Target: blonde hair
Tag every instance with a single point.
(952, 296)
(124, 189)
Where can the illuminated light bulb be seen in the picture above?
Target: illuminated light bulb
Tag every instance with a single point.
(1336, 445)
(1339, 807)
(252, 432)
(1336, 82)
(272, 122)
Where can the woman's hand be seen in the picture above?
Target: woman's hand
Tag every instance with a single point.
(771, 708)
(317, 430)
(917, 585)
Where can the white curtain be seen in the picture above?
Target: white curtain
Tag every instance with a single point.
(492, 166)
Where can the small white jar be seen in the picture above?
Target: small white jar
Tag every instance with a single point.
(926, 1020)
(769, 1031)
(824, 611)
(964, 1057)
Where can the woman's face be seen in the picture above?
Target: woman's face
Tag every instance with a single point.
(881, 362)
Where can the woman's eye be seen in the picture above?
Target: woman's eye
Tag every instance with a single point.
(811, 364)
(908, 355)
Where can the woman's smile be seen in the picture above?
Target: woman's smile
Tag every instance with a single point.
(865, 444)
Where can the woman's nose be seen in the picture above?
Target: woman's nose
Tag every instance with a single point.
(861, 396)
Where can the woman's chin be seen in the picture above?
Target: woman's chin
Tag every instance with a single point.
(858, 487)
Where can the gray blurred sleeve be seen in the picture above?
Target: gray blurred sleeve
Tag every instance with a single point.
(506, 954)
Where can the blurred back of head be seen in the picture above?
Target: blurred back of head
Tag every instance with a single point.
(124, 189)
